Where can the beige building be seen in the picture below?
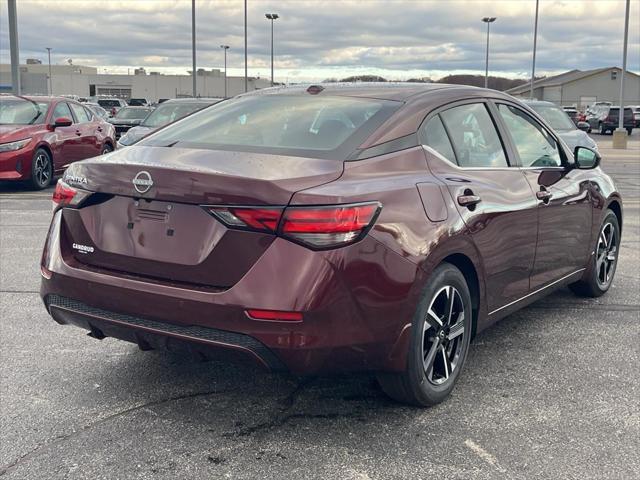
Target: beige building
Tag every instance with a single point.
(86, 81)
(583, 88)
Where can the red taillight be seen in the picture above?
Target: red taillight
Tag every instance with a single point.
(316, 227)
(63, 194)
(274, 315)
(249, 218)
(113, 111)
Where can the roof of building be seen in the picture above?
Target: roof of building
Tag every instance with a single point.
(563, 78)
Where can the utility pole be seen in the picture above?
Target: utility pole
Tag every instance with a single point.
(535, 41)
(246, 78)
(620, 135)
(50, 77)
(14, 49)
(488, 21)
(272, 17)
(225, 48)
(193, 43)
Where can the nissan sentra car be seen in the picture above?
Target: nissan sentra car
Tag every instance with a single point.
(332, 228)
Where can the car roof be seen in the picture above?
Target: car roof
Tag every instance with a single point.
(539, 103)
(200, 100)
(136, 107)
(398, 91)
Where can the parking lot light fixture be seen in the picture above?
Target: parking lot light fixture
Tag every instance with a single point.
(225, 48)
(535, 42)
(488, 21)
(272, 17)
(620, 135)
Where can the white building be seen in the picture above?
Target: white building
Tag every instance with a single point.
(86, 81)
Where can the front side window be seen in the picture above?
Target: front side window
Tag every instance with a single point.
(61, 110)
(474, 136)
(285, 124)
(80, 113)
(535, 146)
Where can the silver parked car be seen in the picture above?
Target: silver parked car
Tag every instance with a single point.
(561, 123)
(167, 112)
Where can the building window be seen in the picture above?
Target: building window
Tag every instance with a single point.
(614, 74)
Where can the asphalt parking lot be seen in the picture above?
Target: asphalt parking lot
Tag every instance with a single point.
(552, 391)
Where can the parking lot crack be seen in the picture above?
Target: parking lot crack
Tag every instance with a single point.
(39, 448)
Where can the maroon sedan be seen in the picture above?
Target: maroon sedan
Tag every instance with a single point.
(41, 136)
(363, 227)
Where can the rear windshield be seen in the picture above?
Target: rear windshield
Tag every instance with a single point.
(170, 112)
(302, 125)
(615, 112)
(109, 103)
(132, 113)
(137, 102)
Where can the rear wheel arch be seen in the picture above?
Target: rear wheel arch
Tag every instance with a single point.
(470, 273)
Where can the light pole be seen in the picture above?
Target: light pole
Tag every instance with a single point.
(246, 78)
(535, 41)
(13, 47)
(620, 135)
(225, 48)
(50, 78)
(272, 17)
(488, 21)
(193, 43)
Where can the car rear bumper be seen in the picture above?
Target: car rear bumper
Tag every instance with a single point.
(15, 165)
(357, 303)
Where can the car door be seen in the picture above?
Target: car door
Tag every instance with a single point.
(494, 199)
(563, 195)
(86, 131)
(66, 147)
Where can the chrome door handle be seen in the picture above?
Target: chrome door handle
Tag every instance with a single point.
(468, 200)
(544, 195)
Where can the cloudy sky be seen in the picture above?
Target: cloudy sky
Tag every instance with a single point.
(327, 38)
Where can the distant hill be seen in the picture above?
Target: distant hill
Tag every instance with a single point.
(496, 83)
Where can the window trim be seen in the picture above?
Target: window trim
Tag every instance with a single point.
(512, 161)
(564, 158)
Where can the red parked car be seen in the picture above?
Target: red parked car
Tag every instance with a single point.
(41, 136)
(361, 227)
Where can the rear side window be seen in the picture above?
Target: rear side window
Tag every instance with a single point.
(79, 112)
(535, 146)
(435, 136)
(320, 126)
(61, 110)
(474, 136)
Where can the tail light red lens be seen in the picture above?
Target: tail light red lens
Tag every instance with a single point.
(63, 194)
(249, 218)
(316, 227)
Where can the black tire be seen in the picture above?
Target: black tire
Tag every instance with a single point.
(629, 131)
(598, 276)
(41, 169)
(106, 149)
(603, 131)
(420, 384)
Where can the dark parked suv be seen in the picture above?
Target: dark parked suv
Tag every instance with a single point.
(345, 227)
(606, 119)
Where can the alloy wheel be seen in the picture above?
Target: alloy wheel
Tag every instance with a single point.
(442, 338)
(42, 169)
(606, 255)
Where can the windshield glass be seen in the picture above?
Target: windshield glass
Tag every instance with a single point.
(170, 112)
(18, 111)
(302, 125)
(557, 118)
(132, 113)
(109, 103)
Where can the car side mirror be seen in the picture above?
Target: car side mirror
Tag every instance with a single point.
(584, 126)
(62, 122)
(585, 158)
